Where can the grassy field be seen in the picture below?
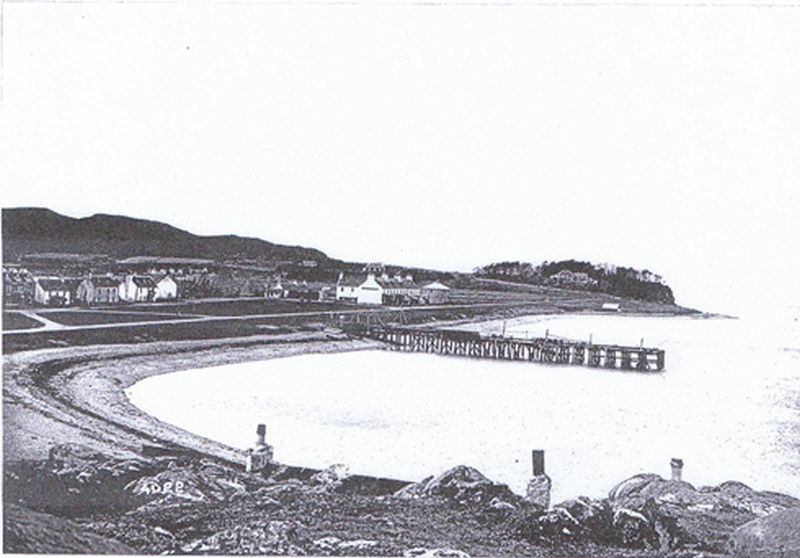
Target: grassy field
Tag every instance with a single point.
(71, 317)
(236, 307)
(15, 320)
(220, 328)
(489, 303)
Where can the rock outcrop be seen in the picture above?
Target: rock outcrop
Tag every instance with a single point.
(192, 482)
(683, 517)
(648, 512)
(260, 537)
(776, 535)
(466, 486)
(434, 553)
(29, 532)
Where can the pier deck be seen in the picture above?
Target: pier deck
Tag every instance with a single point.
(541, 349)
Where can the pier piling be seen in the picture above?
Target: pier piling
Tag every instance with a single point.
(542, 349)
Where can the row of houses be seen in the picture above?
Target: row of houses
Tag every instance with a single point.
(23, 288)
(56, 291)
(373, 286)
(309, 291)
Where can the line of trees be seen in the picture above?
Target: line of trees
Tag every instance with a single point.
(620, 281)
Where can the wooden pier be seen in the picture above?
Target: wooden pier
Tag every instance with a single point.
(541, 349)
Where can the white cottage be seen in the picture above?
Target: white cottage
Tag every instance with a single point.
(137, 288)
(166, 289)
(51, 291)
(359, 288)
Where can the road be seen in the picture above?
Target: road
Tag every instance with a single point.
(198, 318)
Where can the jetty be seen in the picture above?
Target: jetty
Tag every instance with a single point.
(545, 350)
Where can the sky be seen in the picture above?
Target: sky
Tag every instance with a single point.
(436, 135)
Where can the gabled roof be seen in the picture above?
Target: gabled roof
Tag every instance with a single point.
(352, 280)
(14, 278)
(51, 284)
(72, 283)
(143, 282)
(104, 282)
(436, 286)
(393, 283)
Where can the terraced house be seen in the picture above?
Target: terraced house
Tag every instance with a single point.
(137, 288)
(99, 290)
(51, 291)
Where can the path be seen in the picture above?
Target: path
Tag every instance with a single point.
(319, 313)
(47, 325)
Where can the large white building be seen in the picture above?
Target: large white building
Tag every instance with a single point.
(369, 288)
(360, 288)
(137, 288)
(51, 291)
(166, 289)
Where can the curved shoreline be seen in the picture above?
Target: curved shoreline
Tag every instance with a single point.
(77, 395)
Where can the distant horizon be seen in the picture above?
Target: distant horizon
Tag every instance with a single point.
(345, 258)
(342, 258)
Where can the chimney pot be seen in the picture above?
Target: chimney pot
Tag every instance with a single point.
(537, 458)
(677, 468)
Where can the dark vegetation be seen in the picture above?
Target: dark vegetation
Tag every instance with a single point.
(38, 230)
(619, 281)
(241, 307)
(506, 302)
(72, 317)
(15, 320)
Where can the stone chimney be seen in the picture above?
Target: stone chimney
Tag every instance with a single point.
(259, 457)
(677, 468)
(538, 491)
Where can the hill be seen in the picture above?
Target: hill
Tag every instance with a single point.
(625, 282)
(36, 230)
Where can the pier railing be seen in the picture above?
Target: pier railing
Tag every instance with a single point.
(541, 349)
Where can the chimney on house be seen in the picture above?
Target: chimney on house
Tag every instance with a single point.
(677, 468)
(261, 432)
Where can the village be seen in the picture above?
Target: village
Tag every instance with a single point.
(50, 281)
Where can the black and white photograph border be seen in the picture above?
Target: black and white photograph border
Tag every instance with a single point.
(426, 279)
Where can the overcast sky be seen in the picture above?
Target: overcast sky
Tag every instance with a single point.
(445, 136)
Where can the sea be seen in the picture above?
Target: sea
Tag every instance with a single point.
(727, 403)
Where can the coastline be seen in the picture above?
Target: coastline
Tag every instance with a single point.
(77, 395)
(73, 450)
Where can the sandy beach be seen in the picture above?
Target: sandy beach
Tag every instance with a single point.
(77, 395)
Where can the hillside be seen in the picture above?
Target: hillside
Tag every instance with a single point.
(37, 230)
(624, 282)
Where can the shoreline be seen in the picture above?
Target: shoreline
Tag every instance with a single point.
(77, 394)
(74, 399)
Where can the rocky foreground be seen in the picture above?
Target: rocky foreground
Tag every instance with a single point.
(80, 501)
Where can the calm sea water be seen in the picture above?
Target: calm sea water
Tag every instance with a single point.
(728, 404)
